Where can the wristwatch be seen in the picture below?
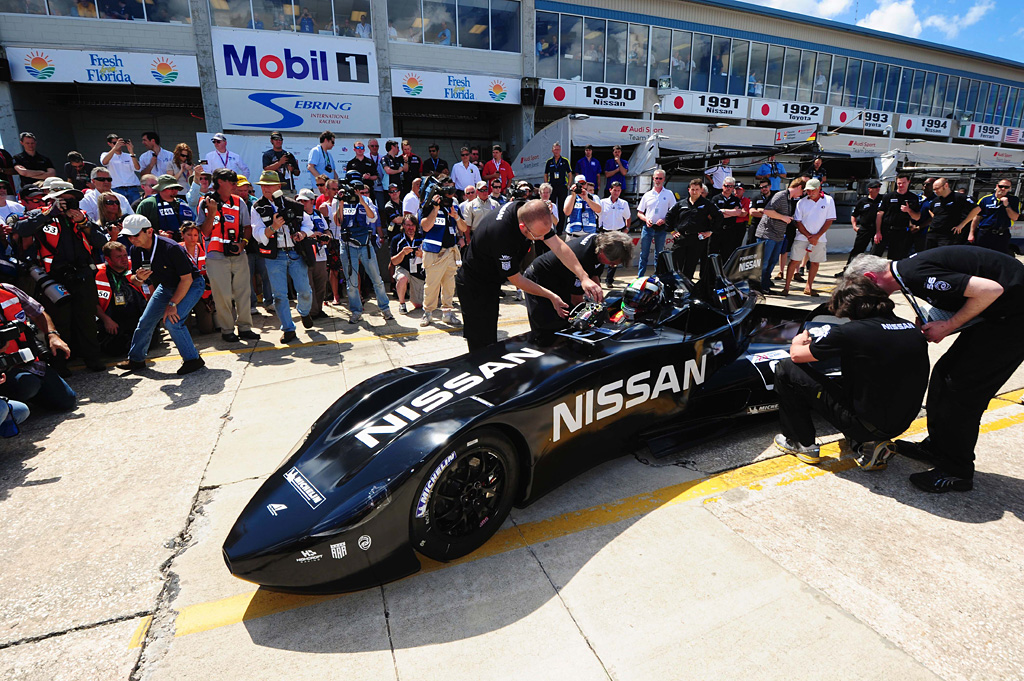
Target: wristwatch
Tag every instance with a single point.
(172, 304)
(53, 333)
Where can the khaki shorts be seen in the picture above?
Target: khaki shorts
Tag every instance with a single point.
(415, 289)
(817, 252)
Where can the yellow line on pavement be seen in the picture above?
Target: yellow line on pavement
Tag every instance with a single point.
(785, 470)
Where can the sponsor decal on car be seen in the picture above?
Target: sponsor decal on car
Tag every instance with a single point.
(276, 508)
(762, 408)
(309, 556)
(421, 505)
(304, 487)
(339, 550)
(364, 542)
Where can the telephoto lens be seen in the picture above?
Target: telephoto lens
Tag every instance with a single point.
(50, 287)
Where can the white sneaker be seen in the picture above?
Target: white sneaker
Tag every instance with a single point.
(426, 319)
(519, 295)
(450, 318)
(807, 454)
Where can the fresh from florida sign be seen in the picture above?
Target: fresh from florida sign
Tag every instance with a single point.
(43, 65)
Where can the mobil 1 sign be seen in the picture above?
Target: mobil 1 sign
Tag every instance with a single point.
(592, 95)
(279, 62)
(703, 104)
(860, 118)
(925, 125)
(299, 112)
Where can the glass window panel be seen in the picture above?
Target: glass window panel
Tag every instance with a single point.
(68, 8)
(963, 94)
(474, 24)
(636, 55)
(738, 74)
(837, 80)
(233, 13)
(906, 84)
(505, 25)
(892, 86)
(570, 66)
(790, 73)
(951, 92)
(547, 45)
(719, 65)
(928, 94)
(352, 18)
(593, 49)
(758, 65)
(702, 57)
(661, 52)
(972, 100)
(852, 81)
(439, 22)
(1018, 110)
(317, 17)
(1011, 99)
(822, 69)
(682, 62)
(916, 85)
(803, 92)
(990, 103)
(160, 11)
(615, 50)
(270, 15)
(941, 82)
(27, 7)
(867, 72)
(404, 21)
(773, 77)
(979, 106)
(878, 86)
(111, 9)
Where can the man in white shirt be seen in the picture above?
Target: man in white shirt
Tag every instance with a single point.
(651, 210)
(321, 160)
(411, 201)
(480, 206)
(8, 207)
(220, 157)
(122, 164)
(814, 214)
(101, 181)
(363, 28)
(155, 160)
(465, 173)
(614, 217)
(716, 175)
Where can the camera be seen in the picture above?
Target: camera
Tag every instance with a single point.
(578, 188)
(68, 203)
(347, 193)
(521, 190)
(36, 350)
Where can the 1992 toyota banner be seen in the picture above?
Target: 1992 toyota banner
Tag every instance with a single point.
(299, 112)
(255, 60)
(38, 65)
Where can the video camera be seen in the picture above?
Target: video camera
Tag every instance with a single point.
(445, 189)
(522, 190)
(36, 350)
(347, 193)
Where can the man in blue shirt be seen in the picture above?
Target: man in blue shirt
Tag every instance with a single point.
(615, 169)
(321, 161)
(589, 167)
(991, 227)
(773, 171)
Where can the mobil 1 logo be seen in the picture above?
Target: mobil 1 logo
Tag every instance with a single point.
(353, 68)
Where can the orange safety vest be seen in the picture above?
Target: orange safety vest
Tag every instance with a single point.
(227, 225)
(51, 234)
(10, 311)
(200, 262)
(105, 291)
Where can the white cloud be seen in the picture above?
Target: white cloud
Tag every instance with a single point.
(824, 9)
(894, 16)
(951, 26)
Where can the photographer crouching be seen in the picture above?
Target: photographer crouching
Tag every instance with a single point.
(287, 253)
(441, 258)
(69, 251)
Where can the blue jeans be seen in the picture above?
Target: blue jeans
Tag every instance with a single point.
(133, 194)
(646, 236)
(258, 265)
(353, 256)
(49, 389)
(772, 251)
(154, 312)
(17, 411)
(289, 264)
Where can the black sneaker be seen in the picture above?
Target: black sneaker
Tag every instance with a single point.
(307, 321)
(190, 365)
(288, 337)
(918, 451)
(229, 337)
(249, 334)
(130, 365)
(839, 275)
(938, 481)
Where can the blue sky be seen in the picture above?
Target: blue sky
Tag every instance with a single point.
(979, 25)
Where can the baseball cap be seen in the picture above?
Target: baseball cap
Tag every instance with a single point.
(874, 184)
(135, 223)
(813, 183)
(616, 183)
(219, 137)
(26, 134)
(580, 178)
(305, 194)
(243, 181)
(276, 135)
(482, 185)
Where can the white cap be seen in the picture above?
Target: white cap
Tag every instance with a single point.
(580, 178)
(135, 223)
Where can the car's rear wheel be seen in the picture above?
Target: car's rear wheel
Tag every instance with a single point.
(464, 496)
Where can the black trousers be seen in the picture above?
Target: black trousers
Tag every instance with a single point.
(972, 371)
(986, 238)
(75, 319)
(898, 241)
(727, 240)
(479, 301)
(944, 239)
(558, 197)
(695, 251)
(863, 238)
(803, 390)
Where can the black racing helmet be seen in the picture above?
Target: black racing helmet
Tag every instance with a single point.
(642, 297)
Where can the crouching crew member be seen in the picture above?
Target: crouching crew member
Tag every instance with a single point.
(865, 404)
(594, 252)
(156, 260)
(407, 259)
(968, 284)
(501, 240)
(121, 301)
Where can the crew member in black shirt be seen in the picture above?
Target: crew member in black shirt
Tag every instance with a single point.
(952, 212)
(500, 241)
(31, 166)
(968, 284)
(159, 262)
(556, 173)
(594, 252)
(692, 221)
(892, 222)
(363, 164)
(866, 404)
(730, 236)
(281, 162)
(757, 206)
(863, 219)
(432, 165)
(78, 171)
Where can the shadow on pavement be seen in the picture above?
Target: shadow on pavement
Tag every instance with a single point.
(187, 392)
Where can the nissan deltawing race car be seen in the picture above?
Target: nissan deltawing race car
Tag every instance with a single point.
(429, 459)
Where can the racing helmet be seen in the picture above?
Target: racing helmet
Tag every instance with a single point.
(642, 297)
(353, 175)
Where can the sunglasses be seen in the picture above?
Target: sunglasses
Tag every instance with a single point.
(359, 148)
(320, 184)
(149, 185)
(102, 179)
(111, 203)
(1002, 186)
(464, 154)
(495, 186)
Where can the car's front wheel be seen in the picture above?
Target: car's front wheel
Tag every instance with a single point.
(465, 494)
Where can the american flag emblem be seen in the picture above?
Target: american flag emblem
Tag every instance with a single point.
(1013, 135)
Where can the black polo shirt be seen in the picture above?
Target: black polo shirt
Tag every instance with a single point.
(498, 247)
(948, 211)
(395, 163)
(169, 260)
(434, 166)
(549, 272)
(36, 162)
(892, 216)
(558, 173)
(866, 210)
(411, 174)
(940, 276)
(760, 201)
(723, 202)
(79, 178)
(689, 219)
(363, 167)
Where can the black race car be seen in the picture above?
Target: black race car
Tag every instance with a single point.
(430, 458)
